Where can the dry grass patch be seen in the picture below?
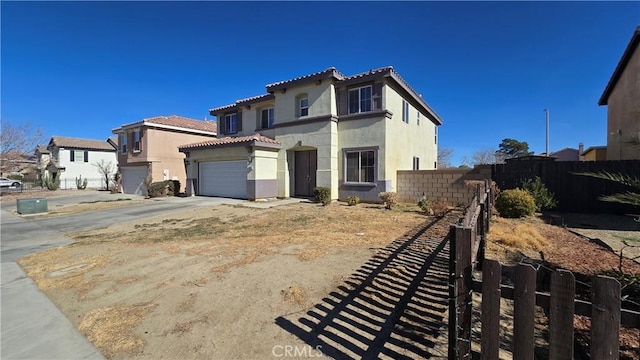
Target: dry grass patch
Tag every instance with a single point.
(111, 328)
(295, 294)
(311, 254)
(53, 269)
(517, 233)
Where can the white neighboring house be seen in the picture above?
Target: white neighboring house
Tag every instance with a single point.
(75, 157)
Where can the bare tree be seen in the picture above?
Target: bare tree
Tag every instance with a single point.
(105, 168)
(17, 142)
(483, 157)
(444, 157)
(20, 139)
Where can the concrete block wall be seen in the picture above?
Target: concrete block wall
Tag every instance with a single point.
(446, 185)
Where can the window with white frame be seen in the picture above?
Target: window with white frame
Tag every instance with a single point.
(303, 108)
(79, 156)
(435, 137)
(136, 141)
(416, 163)
(266, 118)
(360, 166)
(405, 111)
(231, 123)
(360, 100)
(123, 143)
(418, 118)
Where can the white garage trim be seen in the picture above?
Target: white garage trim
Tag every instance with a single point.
(133, 178)
(223, 178)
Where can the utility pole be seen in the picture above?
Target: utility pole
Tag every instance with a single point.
(547, 118)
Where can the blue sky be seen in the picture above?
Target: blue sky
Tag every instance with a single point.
(487, 68)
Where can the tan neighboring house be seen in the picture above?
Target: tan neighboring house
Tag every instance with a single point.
(348, 133)
(148, 149)
(622, 97)
(595, 153)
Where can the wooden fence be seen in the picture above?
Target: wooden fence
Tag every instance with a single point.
(467, 249)
(575, 193)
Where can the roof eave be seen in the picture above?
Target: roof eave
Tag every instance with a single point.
(622, 64)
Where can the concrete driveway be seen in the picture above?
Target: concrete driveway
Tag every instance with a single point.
(32, 327)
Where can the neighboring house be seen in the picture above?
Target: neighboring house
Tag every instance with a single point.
(71, 158)
(595, 153)
(622, 97)
(566, 154)
(348, 133)
(149, 149)
(18, 164)
(43, 157)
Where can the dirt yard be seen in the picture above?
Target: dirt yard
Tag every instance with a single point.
(210, 282)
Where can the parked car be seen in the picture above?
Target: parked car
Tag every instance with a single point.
(6, 182)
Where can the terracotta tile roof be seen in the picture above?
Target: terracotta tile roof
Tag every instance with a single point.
(226, 141)
(183, 122)
(78, 143)
(42, 149)
(245, 101)
(330, 72)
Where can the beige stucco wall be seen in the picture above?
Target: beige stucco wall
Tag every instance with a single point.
(623, 112)
(321, 101)
(322, 136)
(251, 118)
(596, 155)
(264, 165)
(404, 141)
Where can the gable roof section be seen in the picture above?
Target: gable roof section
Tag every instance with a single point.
(174, 122)
(79, 143)
(622, 64)
(42, 149)
(340, 79)
(251, 140)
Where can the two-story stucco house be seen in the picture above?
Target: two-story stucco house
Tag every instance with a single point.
(622, 97)
(149, 149)
(71, 158)
(348, 133)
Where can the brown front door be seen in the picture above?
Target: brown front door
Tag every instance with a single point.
(305, 168)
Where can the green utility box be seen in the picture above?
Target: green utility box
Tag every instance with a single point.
(32, 206)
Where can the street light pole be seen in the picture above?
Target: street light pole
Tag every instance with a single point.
(547, 118)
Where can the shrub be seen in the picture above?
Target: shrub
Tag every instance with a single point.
(163, 188)
(439, 208)
(81, 184)
(515, 203)
(51, 183)
(353, 200)
(322, 195)
(543, 198)
(390, 199)
(425, 205)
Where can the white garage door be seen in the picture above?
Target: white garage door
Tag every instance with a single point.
(223, 178)
(133, 179)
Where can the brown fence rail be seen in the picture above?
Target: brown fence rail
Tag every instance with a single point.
(574, 193)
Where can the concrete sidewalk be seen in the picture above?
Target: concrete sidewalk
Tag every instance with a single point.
(32, 327)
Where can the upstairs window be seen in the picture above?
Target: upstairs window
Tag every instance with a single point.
(136, 140)
(79, 156)
(360, 166)
(231, 123)
(123, 143)
(405, 111)
(266, 118)
(418, 118)
(416, 163)
(304, 106)
(435, 137)
(360, 100)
